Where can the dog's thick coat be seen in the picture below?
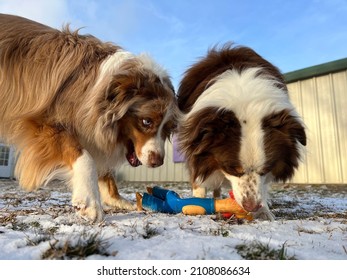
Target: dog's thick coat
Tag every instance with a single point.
(239, 125)
(76, 108)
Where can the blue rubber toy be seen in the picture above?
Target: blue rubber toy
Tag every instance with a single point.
(166, 201)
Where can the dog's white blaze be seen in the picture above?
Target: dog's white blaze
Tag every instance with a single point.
(252, 154)
(153, 145)
(156, 143)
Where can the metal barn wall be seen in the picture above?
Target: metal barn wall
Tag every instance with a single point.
(322, 102)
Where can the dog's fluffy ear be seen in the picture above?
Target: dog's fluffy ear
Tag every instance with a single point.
(283, 133)
(288, 125)
(205, 139)
(120, 95)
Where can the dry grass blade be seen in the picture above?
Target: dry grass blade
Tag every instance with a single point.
(86, 245)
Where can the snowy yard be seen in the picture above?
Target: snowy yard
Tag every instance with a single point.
(311, 223)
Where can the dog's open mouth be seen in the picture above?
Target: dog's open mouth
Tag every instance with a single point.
(131, 155)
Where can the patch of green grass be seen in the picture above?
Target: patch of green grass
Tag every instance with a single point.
(259, 251)
(86, 245)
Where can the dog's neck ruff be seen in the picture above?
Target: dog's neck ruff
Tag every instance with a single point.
(114, 62)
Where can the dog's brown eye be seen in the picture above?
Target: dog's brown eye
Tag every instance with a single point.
(147, 122)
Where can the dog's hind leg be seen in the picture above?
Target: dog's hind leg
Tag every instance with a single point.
(40, 154)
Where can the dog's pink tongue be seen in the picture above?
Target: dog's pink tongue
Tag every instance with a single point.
(133, 160)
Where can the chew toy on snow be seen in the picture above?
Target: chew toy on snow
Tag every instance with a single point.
(166, 201)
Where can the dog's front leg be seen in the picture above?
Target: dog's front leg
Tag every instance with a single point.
(214, 182)
(198, 190)
(110, 195)
(85, 191)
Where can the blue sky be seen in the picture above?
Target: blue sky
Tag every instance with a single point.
(291, 34)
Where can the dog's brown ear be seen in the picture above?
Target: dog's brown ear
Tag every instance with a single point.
(119, 96)
(286, 123)
(298, 131)
(205, 139)
(202, 166)
(283, 132)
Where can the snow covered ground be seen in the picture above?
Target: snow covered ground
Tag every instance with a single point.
(311, 224)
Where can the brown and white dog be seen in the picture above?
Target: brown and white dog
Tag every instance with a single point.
(77, 108)
(239, 126)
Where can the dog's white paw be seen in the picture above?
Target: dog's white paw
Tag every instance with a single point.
(90, 210)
